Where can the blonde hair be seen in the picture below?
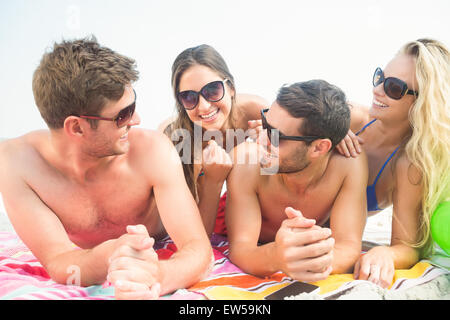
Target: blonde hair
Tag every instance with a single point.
(428, 149)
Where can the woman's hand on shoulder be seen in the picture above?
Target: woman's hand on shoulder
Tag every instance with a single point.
(350, 146)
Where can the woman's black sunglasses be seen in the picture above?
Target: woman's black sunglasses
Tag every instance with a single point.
(212, 92)
(393, 87)
(275, 135)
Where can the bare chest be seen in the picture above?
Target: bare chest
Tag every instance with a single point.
(99, 211)
(315, 204)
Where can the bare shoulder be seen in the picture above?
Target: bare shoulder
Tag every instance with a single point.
(142, 139)
(12, 151)
(406, 171)
(349, 166)
(151, 149)
(245, 154)
(20, 156)
(246, 168)
(359, 115)
(249, 106)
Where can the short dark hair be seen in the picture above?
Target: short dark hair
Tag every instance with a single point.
(79, 77)
(323, 107)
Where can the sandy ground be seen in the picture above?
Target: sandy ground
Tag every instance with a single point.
(377, 231)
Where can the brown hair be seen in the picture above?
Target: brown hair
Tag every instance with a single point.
(200, 55)
(323, 107)
(79, 77)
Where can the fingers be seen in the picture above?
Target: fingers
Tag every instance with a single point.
(215, 154)
(313, 250)
(364, 271)
(135, 271)
(374, 275)
(386, 276)
(125, 250)
(253, 124)
(137, 229)
(138, 242)
(308, 276)
(296, 219)
(254, 129)
(356, 269)
(292, 213)
(128, 290)
(377, 273)
(350, 145)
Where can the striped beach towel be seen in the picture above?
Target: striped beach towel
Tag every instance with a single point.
(23, 277)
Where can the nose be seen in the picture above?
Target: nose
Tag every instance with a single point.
(379, 90)
(135, 120)
(203, 105)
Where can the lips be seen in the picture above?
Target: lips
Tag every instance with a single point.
(379, 104)
(209, 116)
(124, 137)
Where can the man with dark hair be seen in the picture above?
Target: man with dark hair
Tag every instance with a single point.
(276, 222)
(95, 181)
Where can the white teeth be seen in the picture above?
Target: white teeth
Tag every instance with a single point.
(378, 103)
(209, 115)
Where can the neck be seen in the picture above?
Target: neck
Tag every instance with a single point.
(70, 159)
(299, 182)
(392, 134)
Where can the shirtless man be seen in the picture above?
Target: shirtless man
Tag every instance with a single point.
(274, 221)
(102, 185)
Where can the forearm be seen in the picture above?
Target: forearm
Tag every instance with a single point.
(260, 261)
(345, 256)
(186, 267)
(84, 267)
(209, 194)
(403, 255)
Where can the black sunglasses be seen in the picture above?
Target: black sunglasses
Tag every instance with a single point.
(212, 92)
(275, 135)
(122, 118)
(393, 87)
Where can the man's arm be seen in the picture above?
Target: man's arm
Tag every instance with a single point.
(43, 233)
(348, 214)
(243, 218)
(297, 250)
(180, 217)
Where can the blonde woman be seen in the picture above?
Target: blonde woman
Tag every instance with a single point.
(406, 135)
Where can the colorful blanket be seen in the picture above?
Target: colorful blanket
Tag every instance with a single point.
(23, 277)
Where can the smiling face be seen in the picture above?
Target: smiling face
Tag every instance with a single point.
(211, 115)
(290, 156)
(107, 139)
(388, 109)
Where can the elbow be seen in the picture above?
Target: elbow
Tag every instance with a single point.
(66, 276)
(71, 275)
(206, 263)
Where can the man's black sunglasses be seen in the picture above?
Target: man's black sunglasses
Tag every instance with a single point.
(275, 135)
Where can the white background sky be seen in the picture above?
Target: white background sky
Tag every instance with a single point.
(265, 43)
